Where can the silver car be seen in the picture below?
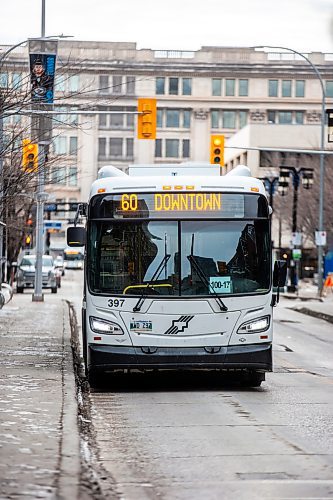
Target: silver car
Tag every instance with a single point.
(26, 271)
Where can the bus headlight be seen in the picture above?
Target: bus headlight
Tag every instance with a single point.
(106, 327)
(255, 326)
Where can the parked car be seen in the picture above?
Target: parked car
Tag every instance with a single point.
(25, 276)
(60, 264)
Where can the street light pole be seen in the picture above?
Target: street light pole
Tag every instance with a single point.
(322, 157)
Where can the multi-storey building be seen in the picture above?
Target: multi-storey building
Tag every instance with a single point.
(215, 90)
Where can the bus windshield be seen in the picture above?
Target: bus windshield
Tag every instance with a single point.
(205, 257)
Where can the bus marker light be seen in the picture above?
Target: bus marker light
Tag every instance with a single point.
(97, 338)
(101, 190)
(190, 188)
(178, 188)
(255, 189)
(166, 188)
(264, 337)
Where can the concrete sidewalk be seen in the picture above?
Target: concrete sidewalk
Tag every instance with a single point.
(39, 438)
(307, 301)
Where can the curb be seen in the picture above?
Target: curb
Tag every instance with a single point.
(70, 466)
(315, 314)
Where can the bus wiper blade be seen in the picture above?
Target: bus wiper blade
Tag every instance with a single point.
(205, 281)
(154, 278)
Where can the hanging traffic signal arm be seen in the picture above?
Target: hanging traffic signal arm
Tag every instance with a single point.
(147, 119)
(29, 156)
(217, 150)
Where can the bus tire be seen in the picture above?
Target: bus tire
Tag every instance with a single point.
(253, 379)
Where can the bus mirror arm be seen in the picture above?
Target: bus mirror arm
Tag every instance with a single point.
(81, 211)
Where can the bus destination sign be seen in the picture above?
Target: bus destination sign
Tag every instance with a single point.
(179, 205)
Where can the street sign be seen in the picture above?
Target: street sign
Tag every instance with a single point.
(52, 224)
(296, 254)
(320, 237)
(51, 207)
(296, 239)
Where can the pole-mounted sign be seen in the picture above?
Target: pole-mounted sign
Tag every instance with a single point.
(42, 56)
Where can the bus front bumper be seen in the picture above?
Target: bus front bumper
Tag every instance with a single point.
(252, 357)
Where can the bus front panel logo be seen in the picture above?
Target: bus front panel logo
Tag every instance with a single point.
(178, 325)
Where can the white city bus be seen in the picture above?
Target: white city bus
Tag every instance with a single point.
(178, 272)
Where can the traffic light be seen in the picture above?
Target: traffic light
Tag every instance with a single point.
(29, 156)
(147, 119)
(217, 150)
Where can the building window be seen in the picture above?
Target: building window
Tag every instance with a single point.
(299, 117)
(285, 117)
(158, 148)
(300, 88)
(3, 80)
(173, 86)
(73, 83)
(59, 83)
(229, 87)
(172, 117)
(329, 88)
(243, 88)
(116, 147)
(130, 85)
(271, 116)
(272, 88)
(242, 119)
(186, 148)
(160, 85)
(72, 177)
(130, 118)
(102, 118)
(229, 119)
(286, 88)
(129, 148)
(217, 86)
(187, 86)
(117, 84)
(172, 148)
(103, 84)
(73, 145)
(116, 119)
(186, 118)
(159, 118)
(16, 80)
(59, 145)
(101, 147)
(215, 118)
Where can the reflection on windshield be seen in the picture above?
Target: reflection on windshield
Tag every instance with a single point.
(124, 257)
(233, 257)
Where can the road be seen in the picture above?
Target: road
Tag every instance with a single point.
(191, 436)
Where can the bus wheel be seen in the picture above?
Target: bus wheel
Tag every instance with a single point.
(253, 379)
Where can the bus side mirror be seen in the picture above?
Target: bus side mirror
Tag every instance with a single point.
(280, 273)
(279, 279)
(76, 236)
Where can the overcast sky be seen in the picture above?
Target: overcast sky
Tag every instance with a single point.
(304, 25)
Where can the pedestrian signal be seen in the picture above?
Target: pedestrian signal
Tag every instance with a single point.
(29, 156)
(147, 119)
(217, 150)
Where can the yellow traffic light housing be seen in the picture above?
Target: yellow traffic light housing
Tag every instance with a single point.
(147, 119)
(29, 156)
(217, 150)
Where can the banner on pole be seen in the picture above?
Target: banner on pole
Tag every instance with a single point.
(42, 72)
